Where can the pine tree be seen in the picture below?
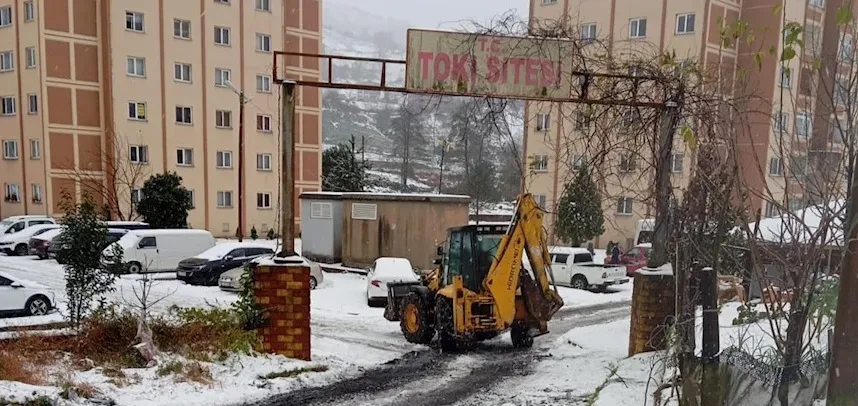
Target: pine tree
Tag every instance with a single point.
(165, 202)
(344, 170)
(409, 142)
(579, 212)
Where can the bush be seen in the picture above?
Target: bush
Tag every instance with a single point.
(251, 314)
(253, 233)
(271, 234)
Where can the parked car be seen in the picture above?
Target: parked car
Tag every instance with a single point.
(205, 268)
(160, 250)
(127, 225)
(383, 271)
(574, 267)
(634, 259)
(56, 244)
(13, 224)
(230, 281)
(18, 243)
(39, 243)
(24, 297)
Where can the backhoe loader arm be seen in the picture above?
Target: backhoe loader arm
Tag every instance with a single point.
(524, 233)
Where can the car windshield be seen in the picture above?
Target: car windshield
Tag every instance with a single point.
(128, 241)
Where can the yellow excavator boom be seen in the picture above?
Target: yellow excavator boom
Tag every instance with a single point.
(525, 234)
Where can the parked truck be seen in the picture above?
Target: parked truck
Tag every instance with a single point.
(574, 267)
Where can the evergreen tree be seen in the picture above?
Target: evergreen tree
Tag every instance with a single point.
(409, 142)
(343, 170)
(165, 202)
(579, 212)
(83, 239)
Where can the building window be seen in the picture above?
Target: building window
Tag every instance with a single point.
(10, 149)
(846, 49)
(193, 198)
(803, 126)
(136, 110)
(772, 210)
(183, 115)
(786, 77)
(13, 193)
(224, 159)
(637, 28)
(263, 42)
(625, 206)
(579, 162)
(543, 122)
(582, 121)
(31, 57)
(263, 200)
(676, 163)
(134, 21)
(588, 32)
(798, 166)
(7, 61)
(138, 154)
(817, 3)
(263, 162)
(223, 119)
(136, 66)
(182, 72)
(541, 200)
(838, 131)
(263, 5)
(221, 36)
(540, 163)
(547, 2)
(224, 199)
(184, 157)
(781, 122)
(223, 77)
(684, 24)
(5, 16)
(775, 166)
(226, 2)
(37, 193)
(321, 210)
(8, 107)
(29, 11)
(136, 195)
(181, 29)
(35, 149)
(364, 211)
(32, 104)
(628, 164)
(263, 123)
(263, 83)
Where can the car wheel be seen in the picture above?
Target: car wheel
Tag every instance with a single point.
(21, 250)
(134, 267)
(313, 283)
(579, 282)
(37, 306)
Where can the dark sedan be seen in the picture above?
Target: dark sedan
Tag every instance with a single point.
(206, 268)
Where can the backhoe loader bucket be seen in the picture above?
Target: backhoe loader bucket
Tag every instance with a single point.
(396, 292)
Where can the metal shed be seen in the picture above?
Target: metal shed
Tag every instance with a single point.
(322, 226)
(398, 225)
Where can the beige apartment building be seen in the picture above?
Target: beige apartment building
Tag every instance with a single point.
(93, 90)
(691, 29)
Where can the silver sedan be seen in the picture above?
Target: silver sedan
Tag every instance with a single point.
(231, 280)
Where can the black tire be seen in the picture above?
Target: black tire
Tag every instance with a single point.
(22, 250)
(42, 256)
(313, 283)
(372, 302)
(520, 335)
(444, 324)
(37, 306)
(579, 282)
(416, 320)
(134, 267)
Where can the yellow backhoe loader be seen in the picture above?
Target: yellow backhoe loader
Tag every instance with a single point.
(480, 288)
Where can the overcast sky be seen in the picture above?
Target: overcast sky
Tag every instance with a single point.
(440, 13)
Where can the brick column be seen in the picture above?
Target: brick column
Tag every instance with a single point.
(653, 308)
(283, 291)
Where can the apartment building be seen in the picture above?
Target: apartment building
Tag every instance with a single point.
(91, 88)
(691, 29)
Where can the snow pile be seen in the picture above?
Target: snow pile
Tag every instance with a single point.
(803, 225)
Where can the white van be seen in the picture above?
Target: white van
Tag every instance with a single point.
(13, 224)
(161, 250)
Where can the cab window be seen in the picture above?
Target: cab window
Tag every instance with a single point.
(4, 281)
(560, 259)
(581, 258)
(236, 253)
(147, 242)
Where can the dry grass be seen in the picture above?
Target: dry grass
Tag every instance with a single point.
(196, 372)
(291, 373)
(71, 389)
(15, 367)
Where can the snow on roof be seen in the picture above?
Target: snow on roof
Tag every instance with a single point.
(666, 269)
(218, 251)
(567, 250)
(803, 225)
(49, 235)
(384, 196)
(387, 266)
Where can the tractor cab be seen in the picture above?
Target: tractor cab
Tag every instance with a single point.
(469, 252)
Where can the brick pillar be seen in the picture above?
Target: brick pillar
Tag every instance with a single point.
(653, 309)
(283, 291)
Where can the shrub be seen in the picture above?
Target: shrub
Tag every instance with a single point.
(254, 235)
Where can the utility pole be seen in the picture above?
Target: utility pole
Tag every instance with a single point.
(441, 176)
(663, 196)
(241, 102)
(287, 170)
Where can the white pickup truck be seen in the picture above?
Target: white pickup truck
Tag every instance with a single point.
(574, 267)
